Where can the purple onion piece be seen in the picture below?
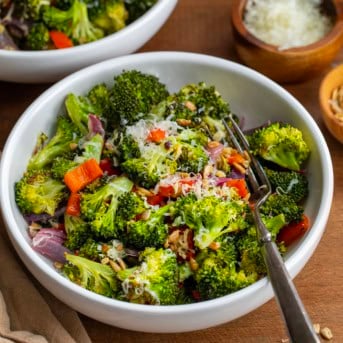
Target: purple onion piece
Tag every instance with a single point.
(49, 242)
(234, 174)
(95, 126)
(44, 217)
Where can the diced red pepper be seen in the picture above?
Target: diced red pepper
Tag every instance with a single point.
(108, 168)
(235, 158)
(156, 135)
(293, 231)
(240, 185)
(156, 199)
(60, 40)
(73, 205)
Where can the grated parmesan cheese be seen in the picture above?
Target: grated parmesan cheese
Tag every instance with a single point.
(286, 23)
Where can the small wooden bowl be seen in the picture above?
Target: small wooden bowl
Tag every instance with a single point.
(331, 81)
(290, 65)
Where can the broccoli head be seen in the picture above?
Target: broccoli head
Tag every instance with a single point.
(94, 276)
(37, 192)
(61, 165)
(151, 232)
(281, 144)
(100, 206)
(74, 22)
(155, 281)
(195, 102)
(219, 274)
(33, 8)
(192, 159)
(137, 8)
(38, 37)
(60, 144)
(100, 98)
(133, 95)
(128, 148)
(211, 217)
(291, 183)
(282, 204)
(110, 16)
(155, 164)
(77, 230)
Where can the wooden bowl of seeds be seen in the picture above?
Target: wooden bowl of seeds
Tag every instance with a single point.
(331, 101)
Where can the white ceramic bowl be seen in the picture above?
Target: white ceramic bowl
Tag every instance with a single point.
(52, 65)
(251, 95)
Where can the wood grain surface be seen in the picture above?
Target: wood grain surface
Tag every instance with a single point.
(204, 26)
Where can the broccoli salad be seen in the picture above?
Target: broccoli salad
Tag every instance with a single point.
(138, 196)
(50, 24)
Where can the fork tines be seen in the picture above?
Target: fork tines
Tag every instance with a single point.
(257, 178)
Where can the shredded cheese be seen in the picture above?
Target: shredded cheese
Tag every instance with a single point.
(286, 23)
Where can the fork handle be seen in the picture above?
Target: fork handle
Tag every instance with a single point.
(300, 328)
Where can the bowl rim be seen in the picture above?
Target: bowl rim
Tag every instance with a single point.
(331, 37)
(106, 41)
(294, 262)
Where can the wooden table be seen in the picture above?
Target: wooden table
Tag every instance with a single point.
(203, 26)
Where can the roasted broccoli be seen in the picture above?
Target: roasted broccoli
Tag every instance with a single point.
(60, 144)
(61, 165)
(130, 205)
(192, 158)
(151, 232)
(74, 22)
(110, 15)
(282, 144)
(133, 95)
(282, 204)
(38, 37)
(219, 273)
(91, 148)
(128, 148)
(37, 192)
(100, 206)
(289, 182)
(137, 8)
(33, 8)
(155, 163)
(77, 230)
(154, 281)
(100, 98)
(210, 217)
(94, 276)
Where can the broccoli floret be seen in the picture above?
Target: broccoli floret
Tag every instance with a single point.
(211, 217)
(74, 22)
(193, 136)
(94, 276)
(37, 192)
(79, 108)
(195, 102)
(154, 281)
(250, 253)
(110, 16)
(133, 95)
(61, 143)
(38, 37)
(155, 164)
(99, 96)
(219, 274)
(100, 206)
(192, 159)
(151, 232)
(282, 144)
(33, 8)
(130, 204)
(92, 148)
(128, 148)
(282, 204)
(77, 230)
(61, 165)
(137, 8)
(97, 251)
(289, 182)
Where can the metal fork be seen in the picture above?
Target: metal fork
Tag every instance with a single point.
(299, 326)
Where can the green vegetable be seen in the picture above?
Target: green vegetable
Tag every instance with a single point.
(37, 192)
(282, 144)
(38, 37)
(77, 230)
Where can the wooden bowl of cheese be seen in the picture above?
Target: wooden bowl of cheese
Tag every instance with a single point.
(288, 41)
